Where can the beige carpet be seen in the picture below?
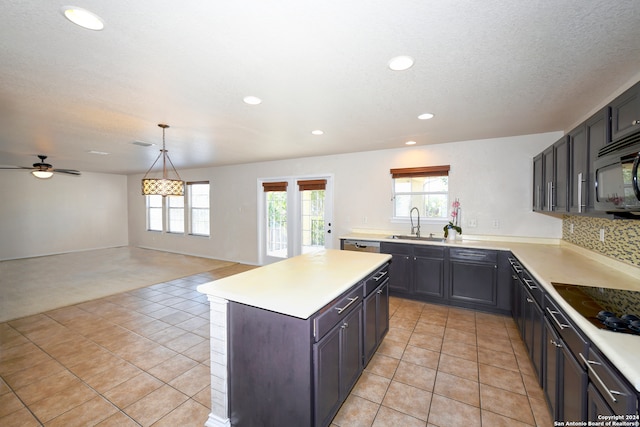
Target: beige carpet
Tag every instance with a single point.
(34, 285)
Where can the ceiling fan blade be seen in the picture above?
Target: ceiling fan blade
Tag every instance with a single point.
(67, 171)
(15, 167)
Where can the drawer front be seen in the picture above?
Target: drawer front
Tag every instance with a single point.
(618, 395)
(429, 251)
(534, 287)
(376, 279)
(575, 342)
(337, 310)
(395, 248)
(474, 255)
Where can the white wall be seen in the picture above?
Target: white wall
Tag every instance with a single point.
(61, 214)
(492, 178)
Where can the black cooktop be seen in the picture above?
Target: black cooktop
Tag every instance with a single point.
(614, 309)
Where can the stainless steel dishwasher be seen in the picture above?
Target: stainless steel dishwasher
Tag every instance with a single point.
(361, 246)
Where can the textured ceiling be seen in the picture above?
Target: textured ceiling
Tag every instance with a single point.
(486, 69)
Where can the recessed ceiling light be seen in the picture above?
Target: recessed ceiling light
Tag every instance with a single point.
(99, 153)
(401, 63)
(410, 143)
(83, 18)
(252, 100)
(317, 132)
(425, 116)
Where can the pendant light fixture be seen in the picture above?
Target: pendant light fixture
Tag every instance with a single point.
(163, 186)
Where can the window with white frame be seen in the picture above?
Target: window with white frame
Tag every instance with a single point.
(188, 213)
(154, 213)
(198, 193)
(426, 188)
(175, 214)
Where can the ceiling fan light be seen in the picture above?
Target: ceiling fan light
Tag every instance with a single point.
(42, 174)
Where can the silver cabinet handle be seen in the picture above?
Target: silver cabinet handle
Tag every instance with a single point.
(555, 343)
(635, 122)
(351, 301)
(580, 182)
(529, 283)
(380, 291)
(382, 274)
(345, 325)
(552, 313)
(529, 300)
(597, 377)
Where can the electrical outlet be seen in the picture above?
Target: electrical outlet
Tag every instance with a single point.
(602, 234)
(496, 223)
(472, 223)
(365, 219)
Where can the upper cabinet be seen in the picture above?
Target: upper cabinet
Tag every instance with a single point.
(563, 174)
(584, 143)
(625, 113)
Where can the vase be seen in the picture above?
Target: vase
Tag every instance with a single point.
(451, 236)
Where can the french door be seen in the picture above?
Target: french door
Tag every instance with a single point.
(295, 216)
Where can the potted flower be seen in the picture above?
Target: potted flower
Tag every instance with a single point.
(453, 226)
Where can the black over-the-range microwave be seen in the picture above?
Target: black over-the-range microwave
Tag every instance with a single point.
(617, 178)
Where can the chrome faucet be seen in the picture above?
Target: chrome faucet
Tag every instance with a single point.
(415, 230)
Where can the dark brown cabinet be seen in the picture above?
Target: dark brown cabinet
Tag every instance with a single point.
(552, 165)
(625, 113)
(416, 270)
(584, 143)
(464, 277)
(473, 276)
(376, 317)
(338, 363)
(538, 183)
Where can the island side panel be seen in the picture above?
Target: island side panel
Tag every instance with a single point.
(270, 368)
(219, 416)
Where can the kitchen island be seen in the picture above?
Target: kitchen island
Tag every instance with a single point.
(289, 340)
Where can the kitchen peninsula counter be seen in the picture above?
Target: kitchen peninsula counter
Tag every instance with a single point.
(281, 335)
(298, 286)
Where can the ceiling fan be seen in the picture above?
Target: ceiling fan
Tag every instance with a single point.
(43, 170)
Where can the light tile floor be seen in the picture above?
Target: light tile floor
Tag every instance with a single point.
(142, 358)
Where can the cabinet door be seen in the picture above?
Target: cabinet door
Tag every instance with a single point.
(370, 325)
(598, 132)
(579, 169)
(548, 170)
(596, 405)
(552, 355)
(350, 352)
(625, 113)
(533, 318)
(561, 183)
(572, 388)
(428, 276)
(538, 183)
(383, 311)
(326, 354)
(473, 282)
(400, 273)
(518, 303)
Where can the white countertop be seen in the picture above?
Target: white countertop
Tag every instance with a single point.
(570, 264)
(298, 286)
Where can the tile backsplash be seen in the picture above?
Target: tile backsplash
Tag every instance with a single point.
(621, 237)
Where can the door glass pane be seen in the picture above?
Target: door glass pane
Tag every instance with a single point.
(276, 209)
(312, 223)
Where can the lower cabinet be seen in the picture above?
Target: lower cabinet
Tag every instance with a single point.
(288, 371)
(376, 319)
(338, 363)
(463, 277)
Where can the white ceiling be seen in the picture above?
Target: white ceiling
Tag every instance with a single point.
(486, 69)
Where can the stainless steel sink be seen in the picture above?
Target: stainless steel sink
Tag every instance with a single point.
(412, 237)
